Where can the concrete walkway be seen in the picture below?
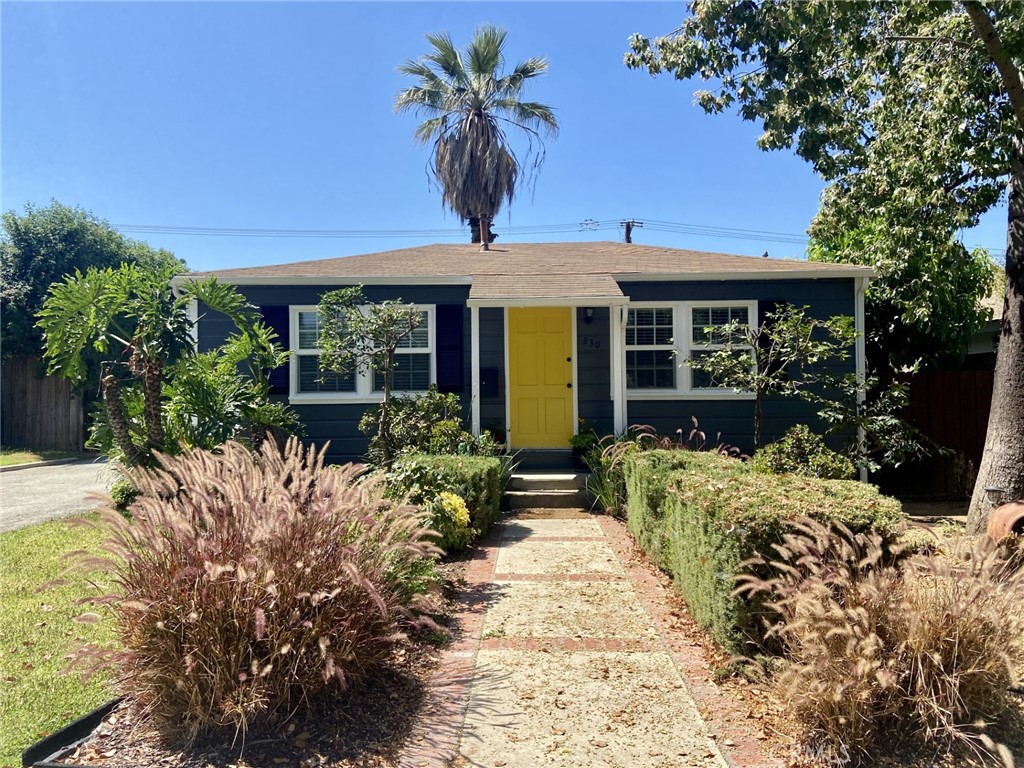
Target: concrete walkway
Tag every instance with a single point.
(36, 494)
(564, 661)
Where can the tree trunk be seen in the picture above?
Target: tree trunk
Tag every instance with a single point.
(152, 391)
(114, 403)
(485, 232)
(1002, 464)
(384, 420)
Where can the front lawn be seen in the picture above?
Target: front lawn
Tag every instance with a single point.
(37, 631)
(10, 456)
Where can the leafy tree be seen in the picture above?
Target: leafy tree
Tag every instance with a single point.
(793, 355)
(43, 245)
(468, 105)
(925, 302)
(355, 337)
(915, 104)
(141, 328)
(785, 355)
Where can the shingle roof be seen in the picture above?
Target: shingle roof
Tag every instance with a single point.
(466, 260)
(549, 286)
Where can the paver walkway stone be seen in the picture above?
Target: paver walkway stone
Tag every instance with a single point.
(563, 661)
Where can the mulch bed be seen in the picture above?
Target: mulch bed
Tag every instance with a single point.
(361, 728)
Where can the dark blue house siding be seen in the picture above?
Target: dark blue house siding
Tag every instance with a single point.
(734, 419)
(593, 370)
(492, 368)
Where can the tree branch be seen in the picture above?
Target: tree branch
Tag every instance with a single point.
(929, 39)
(986, 30)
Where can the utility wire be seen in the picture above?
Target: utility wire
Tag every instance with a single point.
(589, 225)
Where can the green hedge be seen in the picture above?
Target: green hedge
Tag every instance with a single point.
(699, 516)
(477, 479)
(646, 482)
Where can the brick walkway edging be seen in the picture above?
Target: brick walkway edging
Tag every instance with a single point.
(737, 740)
(434, 741)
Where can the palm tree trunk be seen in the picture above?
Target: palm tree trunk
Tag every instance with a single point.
(113, 401)
(152, 390)
(485, 232)
(1002, 463)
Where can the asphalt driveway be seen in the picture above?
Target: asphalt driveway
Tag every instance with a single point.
(35, 494)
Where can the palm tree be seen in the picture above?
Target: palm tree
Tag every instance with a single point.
(468, 105)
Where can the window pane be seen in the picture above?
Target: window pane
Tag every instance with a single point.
(312, 379)
(703, 380)
(420, 337)
(707, 319)
(739, 315)
(309, 330)
(651, 369)
(649, 327)
(412, 374)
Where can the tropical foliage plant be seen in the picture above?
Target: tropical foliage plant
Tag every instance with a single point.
(140, 328)
(469, 105)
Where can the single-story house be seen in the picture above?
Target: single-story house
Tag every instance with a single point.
(537, 338)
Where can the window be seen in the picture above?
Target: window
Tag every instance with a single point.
(307, 358)
(414, 363)
(650, 348)
(707, 333)
(661, 337)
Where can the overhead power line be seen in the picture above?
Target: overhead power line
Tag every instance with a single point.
(588, 225)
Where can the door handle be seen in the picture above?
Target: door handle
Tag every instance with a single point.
(569, 385)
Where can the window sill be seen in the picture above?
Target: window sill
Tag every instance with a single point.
(334, 398)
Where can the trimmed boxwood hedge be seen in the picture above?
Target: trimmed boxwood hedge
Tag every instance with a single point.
(477, 479)
(699, 516)
(646, 477)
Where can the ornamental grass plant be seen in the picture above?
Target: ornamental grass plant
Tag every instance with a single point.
(248, 585)
(883, 652)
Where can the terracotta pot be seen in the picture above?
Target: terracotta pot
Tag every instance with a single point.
(1006, 519)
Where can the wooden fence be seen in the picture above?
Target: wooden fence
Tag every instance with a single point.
(950, 407)
(38, 413)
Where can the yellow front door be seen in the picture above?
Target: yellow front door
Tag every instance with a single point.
(540, 377)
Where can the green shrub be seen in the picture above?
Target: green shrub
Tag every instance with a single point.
(923, 652)
(249, 586)
(449, 517)
(717, 523)
(477, 479)
(804, 453)
(123, 493)
(646, 475)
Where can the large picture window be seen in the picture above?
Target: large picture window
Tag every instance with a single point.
(414, 363)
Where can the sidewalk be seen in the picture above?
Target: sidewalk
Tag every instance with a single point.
(563, 662)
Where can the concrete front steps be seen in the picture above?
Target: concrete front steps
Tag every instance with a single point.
(547, 489)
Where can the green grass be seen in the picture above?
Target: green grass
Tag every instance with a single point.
(10, 456)
(37, 631)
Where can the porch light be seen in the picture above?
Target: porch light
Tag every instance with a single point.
(589, 315)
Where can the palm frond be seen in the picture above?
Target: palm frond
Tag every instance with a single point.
(447, 58)
(529, 115)
(484, 52)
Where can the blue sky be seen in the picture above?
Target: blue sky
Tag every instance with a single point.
(279, 116)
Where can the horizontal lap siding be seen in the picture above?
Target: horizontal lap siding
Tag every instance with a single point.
(492, 356)
(337, 423)
(593, 372)
(734, 419)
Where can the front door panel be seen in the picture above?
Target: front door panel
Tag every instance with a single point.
(540, 377)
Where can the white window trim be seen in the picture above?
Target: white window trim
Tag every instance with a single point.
(682, 321)
(364, 379)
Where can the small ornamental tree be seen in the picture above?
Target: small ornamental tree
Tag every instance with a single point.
(783, 355)
(357, 337)
(791, 354)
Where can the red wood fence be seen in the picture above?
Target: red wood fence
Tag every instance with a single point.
(38, 412)
(950, 407)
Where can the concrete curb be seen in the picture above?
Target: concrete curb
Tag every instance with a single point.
(51, 463)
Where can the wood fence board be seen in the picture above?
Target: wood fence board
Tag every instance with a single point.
(38, 412)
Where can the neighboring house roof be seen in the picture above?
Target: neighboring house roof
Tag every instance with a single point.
(466, 263)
